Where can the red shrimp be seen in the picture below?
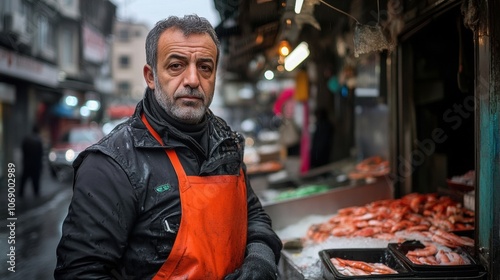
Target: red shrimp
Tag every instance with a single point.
(428, 250)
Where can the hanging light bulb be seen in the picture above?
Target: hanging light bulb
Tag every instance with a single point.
(284, 48)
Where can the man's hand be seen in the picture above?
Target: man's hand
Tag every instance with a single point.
(259, 264)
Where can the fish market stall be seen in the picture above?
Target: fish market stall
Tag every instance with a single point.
(442, 97)
(419, 235)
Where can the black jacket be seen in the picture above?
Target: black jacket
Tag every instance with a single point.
(125, 211)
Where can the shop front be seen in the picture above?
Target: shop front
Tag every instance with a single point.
(439, 83)
(27, 89)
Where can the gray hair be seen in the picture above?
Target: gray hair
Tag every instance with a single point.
(189, 24)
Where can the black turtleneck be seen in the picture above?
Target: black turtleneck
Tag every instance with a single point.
(162, 122)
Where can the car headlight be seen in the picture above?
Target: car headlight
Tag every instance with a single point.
(70, 155)
(52, 156)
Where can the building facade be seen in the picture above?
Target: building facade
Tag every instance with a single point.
(54, 67)
(128, 59)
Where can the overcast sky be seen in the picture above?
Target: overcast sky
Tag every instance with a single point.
(151, 11)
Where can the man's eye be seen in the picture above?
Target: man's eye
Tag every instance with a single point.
(206, 68)
(175, 66)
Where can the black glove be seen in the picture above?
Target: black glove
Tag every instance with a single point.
(259, 264)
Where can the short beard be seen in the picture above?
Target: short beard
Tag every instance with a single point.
(185, 115)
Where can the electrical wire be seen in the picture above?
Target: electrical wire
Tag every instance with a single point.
(339, 10)
(342, 12)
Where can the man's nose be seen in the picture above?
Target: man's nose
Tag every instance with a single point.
(191, 77)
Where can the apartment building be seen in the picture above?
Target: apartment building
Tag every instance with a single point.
(128, 59)
(54, 67)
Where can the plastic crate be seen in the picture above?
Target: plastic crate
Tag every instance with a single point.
(463, 270)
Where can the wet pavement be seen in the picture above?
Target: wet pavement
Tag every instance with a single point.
(28, 239)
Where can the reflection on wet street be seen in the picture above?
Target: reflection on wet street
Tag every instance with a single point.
(35, 229)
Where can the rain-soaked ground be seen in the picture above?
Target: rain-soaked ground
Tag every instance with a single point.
(29, 237)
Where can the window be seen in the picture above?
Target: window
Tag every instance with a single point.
(124, 61)
(123, 35)
(124, 88)
(67, 50)
(45, 33)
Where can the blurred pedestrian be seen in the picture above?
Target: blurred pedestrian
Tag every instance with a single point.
(165, 195)
(32, 150)
(322, 139)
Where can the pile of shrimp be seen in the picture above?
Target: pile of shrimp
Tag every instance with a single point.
(429, 216)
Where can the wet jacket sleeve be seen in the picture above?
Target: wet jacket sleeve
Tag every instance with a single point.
(100, 216)
(260, 224)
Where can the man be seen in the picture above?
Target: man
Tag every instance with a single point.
(32, 148)
(165, 195)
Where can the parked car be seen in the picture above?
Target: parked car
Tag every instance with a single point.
(66, 149)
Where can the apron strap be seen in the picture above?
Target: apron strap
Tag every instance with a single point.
(170, 152)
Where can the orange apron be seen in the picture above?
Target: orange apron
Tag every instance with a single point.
(212, 235)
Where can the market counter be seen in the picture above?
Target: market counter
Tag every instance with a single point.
(288, 212)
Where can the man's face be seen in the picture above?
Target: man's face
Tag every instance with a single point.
(185, 76)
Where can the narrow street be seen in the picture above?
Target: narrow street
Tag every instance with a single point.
(35, 228)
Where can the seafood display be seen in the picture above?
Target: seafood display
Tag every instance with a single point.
(431, 253)
(432, 259)
(441, 257)
(427, 235)
(370, 167)
(356, 268)
(464, 182)
(424, 217)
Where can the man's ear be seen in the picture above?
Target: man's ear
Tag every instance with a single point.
(149, 76)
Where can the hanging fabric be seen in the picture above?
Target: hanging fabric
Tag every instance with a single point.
(367, 38)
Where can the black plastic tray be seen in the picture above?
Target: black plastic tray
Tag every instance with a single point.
(371, 255)
(400, 250)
